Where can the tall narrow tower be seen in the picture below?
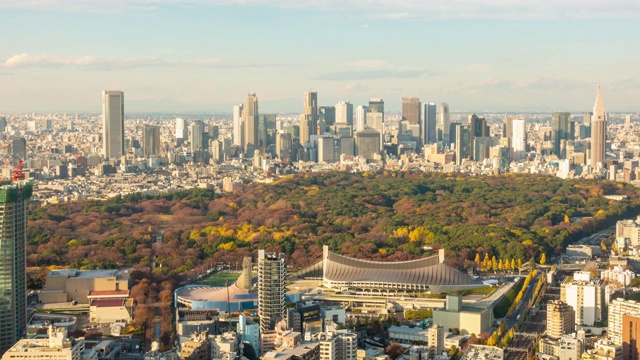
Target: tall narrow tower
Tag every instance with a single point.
(598, 131)
(13, 262)
(445, 122)
(250, 124)
(309, 118)
(113, 117)
(271, 270)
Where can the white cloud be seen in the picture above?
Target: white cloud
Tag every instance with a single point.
(26, 60)
(381, 9)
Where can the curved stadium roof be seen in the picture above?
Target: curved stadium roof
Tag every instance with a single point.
(424, 272)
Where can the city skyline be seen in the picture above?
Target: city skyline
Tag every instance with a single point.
(54, 59)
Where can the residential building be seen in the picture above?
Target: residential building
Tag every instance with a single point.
(560, 319)
(436, 339)
(566, 347)
(618, 308)
(271, 290)
(586, 297)
(249, 332)
(57, 346)
(630, 336)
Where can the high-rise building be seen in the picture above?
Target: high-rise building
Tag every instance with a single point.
(284, 146)
(428, 124)
(19, 148)
(560, 133)
(196, 131)
(478, 128)
(463, 143)
(3, 124)
(361, 117)
(436, 340)
(445, 122)
(560, 319)
(377, 105)
(344, 113)
(181, 131)
(587, 298)
(367, 143)
(328, 114)
(237, 126)
(266, 130)
(519, 138)
(113, 118)
(13, 272)
(411, 110)
(617, 309)
(151, 140)
(598, 131)
(309, 117)
(271, 291)
(507, 127)
(630, 336)
(250, 124)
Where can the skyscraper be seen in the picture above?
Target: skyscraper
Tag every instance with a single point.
(463, 143)
(151, 140)
(328, 114)
(507, 127)
(445, 122)
(271, 291)
(411, 110)
(113, 117)
(181, 131)
(309, 117)
(196, 130)
(598, 131)
(560, 133)
(250, 124)
(519, 138)
(377, 105)
(13, 278)
(237, 126)
(344, 113)
(3, 124)
(361, 117)
(478, 128)
(428, 123)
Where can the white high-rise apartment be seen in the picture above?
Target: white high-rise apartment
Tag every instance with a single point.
(586, 297)
(344, 113)
(617, 309)
(519, 138)
(237, 126)
(113, 117)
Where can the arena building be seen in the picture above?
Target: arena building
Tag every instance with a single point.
(429, 274)
(237, 297)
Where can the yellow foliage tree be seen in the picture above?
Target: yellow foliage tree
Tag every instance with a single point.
(477, 259)
(543, 259)
(513, 264)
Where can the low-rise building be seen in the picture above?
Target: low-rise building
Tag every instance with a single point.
(468, 319)
(71, 285)
(58, 347)
(483, 352)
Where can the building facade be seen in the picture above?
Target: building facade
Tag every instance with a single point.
(271, 291)
(113, 118)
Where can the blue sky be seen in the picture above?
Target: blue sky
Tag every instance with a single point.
(205, 55)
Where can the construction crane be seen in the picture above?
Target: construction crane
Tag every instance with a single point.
(18, 174)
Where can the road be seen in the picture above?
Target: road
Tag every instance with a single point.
(512, 318)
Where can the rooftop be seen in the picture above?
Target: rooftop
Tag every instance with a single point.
(107, 302)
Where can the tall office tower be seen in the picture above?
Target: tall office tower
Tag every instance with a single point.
(151, 140)
(560, 133)
(598, 131)
(507, 127)
(368, 143)
(237, 126)
(361, 117)
(411, 110)
(463, 143)
(266, 130)
(250, 124)
(19, 148)
(344, 113)
(182, 132)
(283, 146)
(197, 136)
(375, 122)
(305, 129)
(436, 340)
(377, 105)
(519, 138)
(428, 124)
(445, 121)
(13, 262)
(561, 319)
(271, 291)
(113, 117)
(478, 128)
(3, 124)
(310, 113)
(328, 114)
(586, 118)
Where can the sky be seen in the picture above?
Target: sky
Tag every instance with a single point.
(206, 55)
